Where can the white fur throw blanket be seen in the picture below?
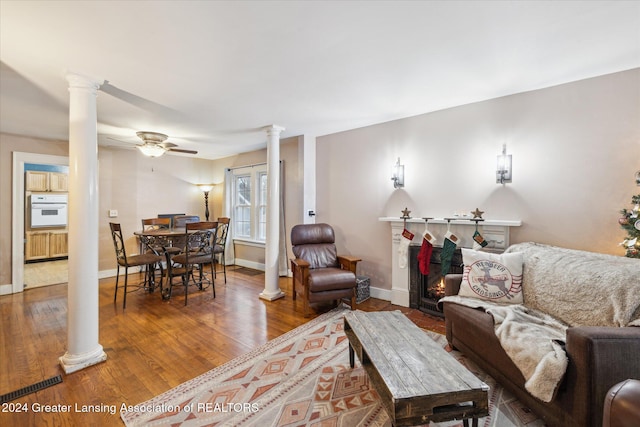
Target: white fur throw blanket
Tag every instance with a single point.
(561, 287)
(530, 338)
(580, 288)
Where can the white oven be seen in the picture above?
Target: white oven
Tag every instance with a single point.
(48, 210)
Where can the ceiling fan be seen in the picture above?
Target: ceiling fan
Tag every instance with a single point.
(154, 144)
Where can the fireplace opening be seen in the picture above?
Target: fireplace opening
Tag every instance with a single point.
(426, 290)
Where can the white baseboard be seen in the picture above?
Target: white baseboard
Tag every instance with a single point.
(383, 294)
(103, 274)
(249, 264)
(6, 289)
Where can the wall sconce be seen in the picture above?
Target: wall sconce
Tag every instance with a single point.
(503, 171)
(397, 175)
(205, 189)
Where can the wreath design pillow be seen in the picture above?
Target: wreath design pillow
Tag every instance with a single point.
(492, 277)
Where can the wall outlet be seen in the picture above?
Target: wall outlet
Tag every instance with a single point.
(113, 213)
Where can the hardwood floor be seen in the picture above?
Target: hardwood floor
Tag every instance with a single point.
(151, 346)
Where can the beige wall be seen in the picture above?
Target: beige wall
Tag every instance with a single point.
(292, 189)
(141, 187)
(575, 150)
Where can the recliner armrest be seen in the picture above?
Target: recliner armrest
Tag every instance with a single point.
(452, 284)
(300, 263)
(348, 262)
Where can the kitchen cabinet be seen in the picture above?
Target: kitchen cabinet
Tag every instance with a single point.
(37, 245)
(46, 181)
(58, 244)
(58, 181)
(46, 244)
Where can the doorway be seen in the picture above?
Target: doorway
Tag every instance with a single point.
(18, 214)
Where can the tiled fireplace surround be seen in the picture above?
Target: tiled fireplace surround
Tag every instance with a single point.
(495, 232)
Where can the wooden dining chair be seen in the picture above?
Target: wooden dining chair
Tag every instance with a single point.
(180, 221)
(150, 260)
(159, 244)
(198, 253)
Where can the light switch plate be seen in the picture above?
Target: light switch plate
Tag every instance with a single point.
(113, 213)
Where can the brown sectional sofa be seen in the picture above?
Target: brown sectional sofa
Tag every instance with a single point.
(598, 357)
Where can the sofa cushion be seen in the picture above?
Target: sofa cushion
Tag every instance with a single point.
(492, 277)
(581, 288)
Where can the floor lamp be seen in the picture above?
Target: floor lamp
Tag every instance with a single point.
(205, 189)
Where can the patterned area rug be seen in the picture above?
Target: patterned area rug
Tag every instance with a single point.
(301, 378)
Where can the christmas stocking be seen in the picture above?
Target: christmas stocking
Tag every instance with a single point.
(424, 256)
(403, 249)
(478, 240)
(448, 248)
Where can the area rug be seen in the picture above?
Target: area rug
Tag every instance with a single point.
(301, 378)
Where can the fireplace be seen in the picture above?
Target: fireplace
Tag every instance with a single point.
(425, 291)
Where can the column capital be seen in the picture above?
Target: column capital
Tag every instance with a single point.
(273, 130)
(83, 82)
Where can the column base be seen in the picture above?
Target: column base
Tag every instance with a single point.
(75, 362)
(271, 296)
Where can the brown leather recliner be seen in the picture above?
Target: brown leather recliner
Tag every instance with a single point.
(319, 273)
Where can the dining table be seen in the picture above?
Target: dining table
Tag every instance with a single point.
(156, 240)
(162, 237)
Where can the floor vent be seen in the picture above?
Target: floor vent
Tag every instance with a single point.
(30, 389)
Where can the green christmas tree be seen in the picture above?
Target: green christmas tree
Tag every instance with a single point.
(630, 222)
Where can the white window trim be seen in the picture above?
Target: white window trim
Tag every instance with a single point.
(254, 171)
(248, 242)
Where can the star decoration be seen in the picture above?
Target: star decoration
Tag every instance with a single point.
(405, 213)
(477, 213)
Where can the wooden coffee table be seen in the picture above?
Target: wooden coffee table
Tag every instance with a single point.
(417, 380)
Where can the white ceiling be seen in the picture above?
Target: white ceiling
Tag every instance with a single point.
(211, 74)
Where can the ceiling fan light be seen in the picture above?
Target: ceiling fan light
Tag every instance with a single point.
(151, 150)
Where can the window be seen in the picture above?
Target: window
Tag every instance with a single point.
(243, 206)
(248, 187)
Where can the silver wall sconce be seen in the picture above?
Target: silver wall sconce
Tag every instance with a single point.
(503, 171)
(397, 175)
(205, 189)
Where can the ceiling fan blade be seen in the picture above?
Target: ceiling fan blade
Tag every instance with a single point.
(115, 142)
(179, 150)
(168, 145)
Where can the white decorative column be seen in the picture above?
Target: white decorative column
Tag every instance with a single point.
(272, 248)
(83, 348)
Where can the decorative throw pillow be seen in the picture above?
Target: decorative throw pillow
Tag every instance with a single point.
(492, 277)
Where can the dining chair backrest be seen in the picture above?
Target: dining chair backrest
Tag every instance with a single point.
(118, 241)
(223, 229)
(181, 220)
(170, 216)
(221, 242)
(156, 223)
(201, 235)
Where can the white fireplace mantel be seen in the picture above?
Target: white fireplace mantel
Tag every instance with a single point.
(495, 232)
